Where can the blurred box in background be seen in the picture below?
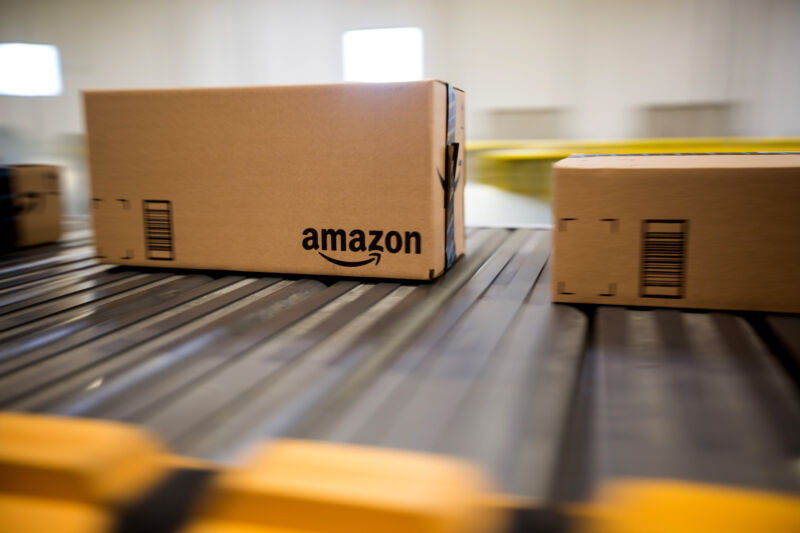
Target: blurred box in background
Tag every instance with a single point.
(30, 205)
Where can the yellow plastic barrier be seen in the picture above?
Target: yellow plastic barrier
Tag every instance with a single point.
(750, 144)
(523, 171)
(525, 167)
(664, 506)
(315, 486)
(80, 476)
(59, 474)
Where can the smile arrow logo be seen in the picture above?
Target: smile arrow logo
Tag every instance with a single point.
(374, 256)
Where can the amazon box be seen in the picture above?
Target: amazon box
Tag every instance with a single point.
(30, 205)
(717, 231)
(344, 179)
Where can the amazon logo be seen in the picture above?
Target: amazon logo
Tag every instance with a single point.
(369, 244)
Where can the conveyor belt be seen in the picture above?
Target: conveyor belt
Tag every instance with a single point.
(550, 399)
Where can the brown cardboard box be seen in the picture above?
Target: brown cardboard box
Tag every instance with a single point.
(715, 231)
(30, 205)
(343, 179)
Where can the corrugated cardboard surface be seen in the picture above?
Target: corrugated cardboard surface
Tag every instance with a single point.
(238, 178)
(703, 231)
(34, 204)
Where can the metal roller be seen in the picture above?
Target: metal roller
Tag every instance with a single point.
(551, 400)
(77, 372)
(684, 395)
(342, 362)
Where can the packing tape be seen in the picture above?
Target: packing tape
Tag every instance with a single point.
(452, 177)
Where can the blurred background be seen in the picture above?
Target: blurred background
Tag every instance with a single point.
(543, 78)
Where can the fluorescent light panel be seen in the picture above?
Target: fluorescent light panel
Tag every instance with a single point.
(380, 55)
(29, 69)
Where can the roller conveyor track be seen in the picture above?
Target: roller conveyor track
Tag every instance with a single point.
(550, 399)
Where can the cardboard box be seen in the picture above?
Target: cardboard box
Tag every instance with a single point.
(717, 231)
(30, 205)
(343, 179)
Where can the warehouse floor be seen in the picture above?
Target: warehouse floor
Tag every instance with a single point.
(549, 399)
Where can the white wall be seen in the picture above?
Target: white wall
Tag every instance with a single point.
(601, 59)
(605, 59)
